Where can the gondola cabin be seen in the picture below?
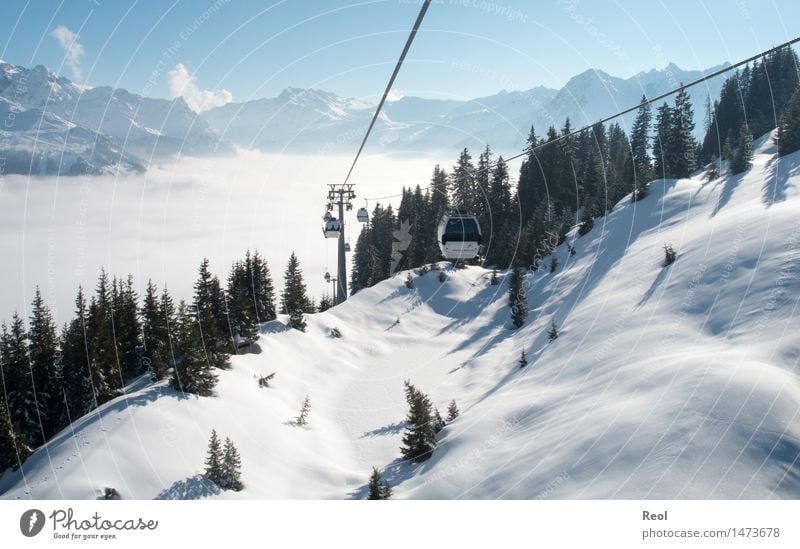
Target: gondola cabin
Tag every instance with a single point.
(459, 236)
(332, 228)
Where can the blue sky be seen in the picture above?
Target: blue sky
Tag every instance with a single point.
(468, 48)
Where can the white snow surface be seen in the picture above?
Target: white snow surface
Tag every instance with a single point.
(665, 382)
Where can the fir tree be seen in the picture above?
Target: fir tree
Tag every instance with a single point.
(742, 158)
(154, 331)
(419, 440)
(552, 334)
(105, 368)
(192, 372)
(523, 360)
(214, 460)
(305, 409)
(378, 488)
(13, 448)
(553, 264)
(452, 411)
(438, 421)
(76, 389)
(42, 352)
(231, 467)
(669, 255)
(788, 137)
(20, 392)
(517, 299)
(681, 145)
(493, 280)
(295, 300)
(409, 281)
(210, 318)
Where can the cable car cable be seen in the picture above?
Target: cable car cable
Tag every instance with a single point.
(700, 80)
(411, 36)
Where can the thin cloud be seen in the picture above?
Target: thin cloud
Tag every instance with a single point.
(183, 84)
(73, 50)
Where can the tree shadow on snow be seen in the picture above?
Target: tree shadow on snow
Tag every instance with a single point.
(662, 274)
(195, 487)
(391, 429)
(777, 181)
(727, 191)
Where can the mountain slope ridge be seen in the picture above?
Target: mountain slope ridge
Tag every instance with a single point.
(665, 382)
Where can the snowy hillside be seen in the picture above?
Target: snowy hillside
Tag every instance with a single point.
(665, 382)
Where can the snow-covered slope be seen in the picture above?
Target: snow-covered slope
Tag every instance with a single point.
(665, 382)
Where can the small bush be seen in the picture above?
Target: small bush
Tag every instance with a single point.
(669, 255)
(263, 381)
(442, 276)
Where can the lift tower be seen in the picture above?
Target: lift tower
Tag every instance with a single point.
(341, 195)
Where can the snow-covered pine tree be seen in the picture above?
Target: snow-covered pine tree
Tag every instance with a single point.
(231, 467)
(493, 280)
(517, 300)
(669, 255)
(409, 281)
(295, 300)
(553, 264)
(378, 488)
(452, 411)
(523, 360)
(20, 392)
(552, 334)
(305, 409)
(214, 459)
(438, 421)
(419, 439)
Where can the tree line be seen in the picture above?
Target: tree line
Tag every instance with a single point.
(51, 376)
(569, 178)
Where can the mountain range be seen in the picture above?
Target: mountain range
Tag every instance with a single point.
(53, 125)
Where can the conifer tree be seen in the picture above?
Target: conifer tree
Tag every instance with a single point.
(517, 299)
(552, 334)
(20, 392)
(681, 145)
(409, 281)
(154, 330)
(76, 389)
(523, 360)
(42, 351)
(105, 368)
(13, 448)
(378, 488)
(231, 467)
(463, 183)
(192, 372)
(419, 440)
(663, 142)
(742, 159)
(214, 460)
(493, 280)
(438, 421)
(305, 409)
(788, 137)
(295, 300)
(209, 316)
(452, 411)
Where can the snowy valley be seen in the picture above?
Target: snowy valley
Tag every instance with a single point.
(676, 381)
